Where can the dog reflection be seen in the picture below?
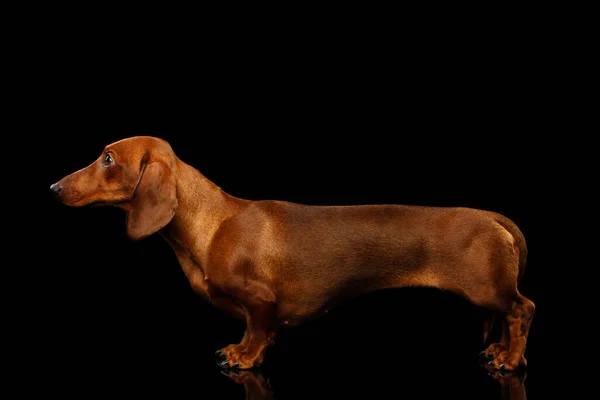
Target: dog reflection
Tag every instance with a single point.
(257, 388)
(512, 383)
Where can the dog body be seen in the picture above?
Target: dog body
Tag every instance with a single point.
(274, 262)
(308, 257)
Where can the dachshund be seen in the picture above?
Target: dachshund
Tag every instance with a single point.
(272, 263)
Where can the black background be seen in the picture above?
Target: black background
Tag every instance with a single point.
(350, 121)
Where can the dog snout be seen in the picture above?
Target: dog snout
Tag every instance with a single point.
(56, 188)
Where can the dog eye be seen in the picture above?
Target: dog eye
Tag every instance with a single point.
(107, 160)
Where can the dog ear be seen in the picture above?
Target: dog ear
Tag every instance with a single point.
(154, 201)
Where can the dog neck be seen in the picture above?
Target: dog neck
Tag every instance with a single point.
(202, 207)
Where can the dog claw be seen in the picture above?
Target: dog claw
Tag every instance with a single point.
(502, 367)
(219, 352)
(222, 363)
(229, 373)
(491, 363)
(236, 365)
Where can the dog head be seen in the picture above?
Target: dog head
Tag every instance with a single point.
(135, 174)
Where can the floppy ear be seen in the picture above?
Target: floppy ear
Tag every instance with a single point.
(154, 201)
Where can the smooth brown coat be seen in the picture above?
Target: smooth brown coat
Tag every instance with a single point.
(275, 262)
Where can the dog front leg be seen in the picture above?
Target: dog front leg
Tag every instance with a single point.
(259, 306)
(227, 351)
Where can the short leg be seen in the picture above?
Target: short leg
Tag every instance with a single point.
(518, 321)
(495, 349)
(226, 351)
(236, 348)
(259, 307)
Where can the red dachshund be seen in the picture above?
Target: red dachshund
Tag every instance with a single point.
(274, 262)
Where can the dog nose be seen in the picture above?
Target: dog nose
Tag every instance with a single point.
(56, 188)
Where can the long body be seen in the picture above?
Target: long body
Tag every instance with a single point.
(274, 262)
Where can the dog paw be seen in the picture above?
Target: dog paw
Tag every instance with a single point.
(507, 361)
(240, 360)
(228, 351)
(493, 351)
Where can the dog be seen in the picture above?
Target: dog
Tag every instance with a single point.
(272, 263)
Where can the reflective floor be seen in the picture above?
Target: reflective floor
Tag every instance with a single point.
(257, 385)
(429, 350)
(193, 377)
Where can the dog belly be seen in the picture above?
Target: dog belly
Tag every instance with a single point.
(290, 313)
(311, 298)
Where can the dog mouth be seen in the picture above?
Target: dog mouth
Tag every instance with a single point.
(76, 199)
(104, 203)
